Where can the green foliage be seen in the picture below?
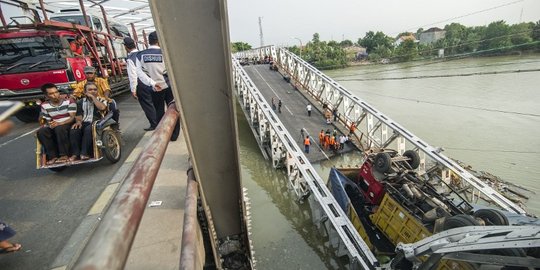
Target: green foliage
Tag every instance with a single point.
(373, 40)
(346, 43)
(406, 51)
(240, 46)
(321, 54)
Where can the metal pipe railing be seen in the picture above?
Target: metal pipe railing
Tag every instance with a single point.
(109, 246)
(192, 249)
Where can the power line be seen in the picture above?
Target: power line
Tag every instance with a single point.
(446, 75)
(466, 15)
(493, 150)
(448, 57)
(453, 105)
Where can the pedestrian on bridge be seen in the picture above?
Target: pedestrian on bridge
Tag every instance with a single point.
(308, 108)
(279, 105)
(152, 73)
(307, 142)
(334, 112)
(301, 134)
(273, 104)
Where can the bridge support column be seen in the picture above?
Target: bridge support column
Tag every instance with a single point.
(194, 35)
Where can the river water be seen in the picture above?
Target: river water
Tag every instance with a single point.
(491, 122)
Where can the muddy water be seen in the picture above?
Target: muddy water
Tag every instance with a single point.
(491, 122)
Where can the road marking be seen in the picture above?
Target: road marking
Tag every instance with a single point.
(103, 199)
(20, 136)
(271, 89)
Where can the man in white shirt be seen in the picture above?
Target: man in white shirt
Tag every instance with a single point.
(139, 91)
(152, 72)
(308, 108)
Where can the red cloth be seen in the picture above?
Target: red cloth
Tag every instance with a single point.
(76, 48)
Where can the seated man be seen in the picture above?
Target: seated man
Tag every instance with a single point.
(104, 90)
(89, 109)
(59, 115)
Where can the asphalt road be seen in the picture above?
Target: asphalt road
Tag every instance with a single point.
(46, 207)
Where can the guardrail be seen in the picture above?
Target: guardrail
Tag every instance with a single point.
(377, 129)
(109, 245)
(279, 146)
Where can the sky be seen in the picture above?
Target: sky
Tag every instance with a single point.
(285, 20)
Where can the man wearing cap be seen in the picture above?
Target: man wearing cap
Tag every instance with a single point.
(151, 72)
(104, 90)
(139, 91)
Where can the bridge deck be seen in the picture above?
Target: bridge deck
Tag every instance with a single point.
(293, 112)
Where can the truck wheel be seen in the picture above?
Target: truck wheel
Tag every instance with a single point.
(459, 221)
(382, 162)
(414, 158)
(111, 145)
(491, 217)
(28, 115)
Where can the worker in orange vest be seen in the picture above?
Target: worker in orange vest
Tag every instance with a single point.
(306, 144)
(321, 137)
(326, 141)
(332, 142)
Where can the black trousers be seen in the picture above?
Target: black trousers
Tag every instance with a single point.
(161, 99)
(81, 140)
(145, 98)
(55, 140)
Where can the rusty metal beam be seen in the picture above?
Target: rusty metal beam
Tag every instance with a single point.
(200, 68)
(192, 249)
(110, 244)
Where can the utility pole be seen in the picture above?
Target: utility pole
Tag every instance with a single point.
(261, 32)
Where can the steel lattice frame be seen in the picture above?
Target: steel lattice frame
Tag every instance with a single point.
(273, 138)
(376, 129)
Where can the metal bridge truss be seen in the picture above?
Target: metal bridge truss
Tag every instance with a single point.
(375, 128)
(279, 146)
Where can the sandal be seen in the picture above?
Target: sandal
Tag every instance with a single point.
(83, 157)
(62, 159)
(73, 158)
(13, 248)
(51, 161)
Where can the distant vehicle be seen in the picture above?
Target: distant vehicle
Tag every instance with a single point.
(38, 53)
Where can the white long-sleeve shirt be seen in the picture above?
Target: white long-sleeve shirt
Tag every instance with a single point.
(151, 67)
(132, 72)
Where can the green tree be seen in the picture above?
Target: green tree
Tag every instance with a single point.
(521, 33)
(240, 46)
(406, 51)
(496, 37)
(346, 43)
(371, 40)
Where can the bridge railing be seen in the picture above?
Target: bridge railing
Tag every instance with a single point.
(376, 129)
(279, 146)
(110, 244)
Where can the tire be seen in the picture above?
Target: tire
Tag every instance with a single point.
(382, 162)
(28, 114)
(111, 145)
(459, 221)
(414, 158)
(492, 217)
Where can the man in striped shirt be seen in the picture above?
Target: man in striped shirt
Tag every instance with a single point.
(59, 115)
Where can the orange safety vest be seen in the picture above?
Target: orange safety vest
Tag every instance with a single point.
(306, 141)
(332, 140)
(321, 136)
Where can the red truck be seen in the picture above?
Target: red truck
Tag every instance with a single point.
(38, 53)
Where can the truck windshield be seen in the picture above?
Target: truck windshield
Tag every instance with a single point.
(30, 54)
